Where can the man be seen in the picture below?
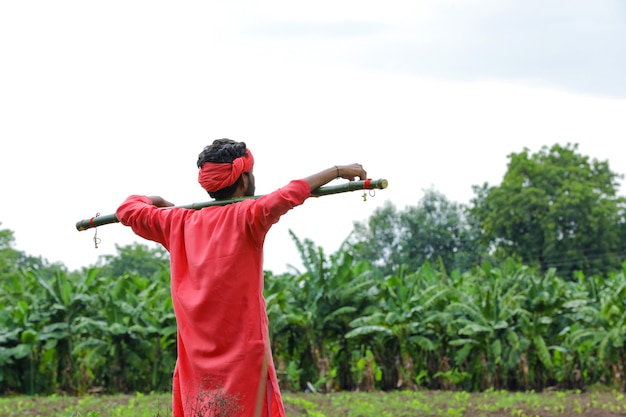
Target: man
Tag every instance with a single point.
(216, 256)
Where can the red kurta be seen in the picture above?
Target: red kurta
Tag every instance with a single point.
(216, 256)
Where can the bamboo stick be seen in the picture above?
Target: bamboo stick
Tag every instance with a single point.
(318, 192)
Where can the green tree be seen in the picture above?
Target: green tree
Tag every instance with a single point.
(436, 230)
(12, 260)
(8, 255)
(137, 258)
(379, 239)
(555, 209)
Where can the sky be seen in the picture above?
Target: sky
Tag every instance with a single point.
(100, 100)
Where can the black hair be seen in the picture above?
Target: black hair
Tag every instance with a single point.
(222, 151)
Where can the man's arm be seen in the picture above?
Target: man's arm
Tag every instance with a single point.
(348, 172)
(160, 201)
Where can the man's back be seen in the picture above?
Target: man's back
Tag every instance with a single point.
(216, 259)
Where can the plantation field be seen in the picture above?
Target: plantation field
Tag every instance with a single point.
(349, 404)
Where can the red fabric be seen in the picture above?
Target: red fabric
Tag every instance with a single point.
(215, 176)
(216, 257)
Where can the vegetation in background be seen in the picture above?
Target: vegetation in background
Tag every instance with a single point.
(524, 290)
(555, 209)
(337, 326)
(435, 230)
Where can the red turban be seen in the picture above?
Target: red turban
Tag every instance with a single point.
(214, 176)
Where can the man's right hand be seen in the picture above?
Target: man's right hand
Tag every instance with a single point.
(160, 202)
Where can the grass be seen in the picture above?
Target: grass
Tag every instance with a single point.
(595, 403)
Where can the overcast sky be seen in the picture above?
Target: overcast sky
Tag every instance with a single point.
(99, 100)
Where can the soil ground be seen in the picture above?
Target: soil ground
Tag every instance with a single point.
(434, 403)
(376, 404)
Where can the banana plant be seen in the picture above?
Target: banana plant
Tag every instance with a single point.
(125, 334)
(324, 299)
(600, 338)
(541, 324)
(485, 327)
(66, 301)
(401, 324)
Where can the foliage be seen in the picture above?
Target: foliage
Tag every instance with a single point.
(86, 333)
(136, 258)
(8, 255)
(435, 230)
(12, 260)
(337, 325)
(556, 209)
(410, 301)
(310, 312)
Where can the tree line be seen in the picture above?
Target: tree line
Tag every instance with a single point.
(555, 209)
(339, 325)
(521, 289)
